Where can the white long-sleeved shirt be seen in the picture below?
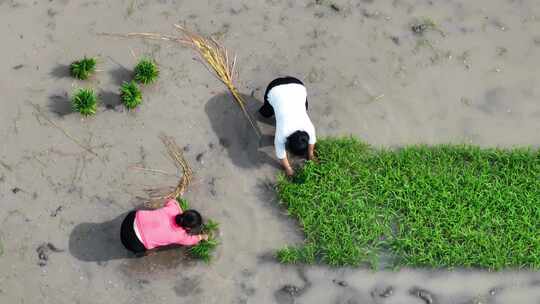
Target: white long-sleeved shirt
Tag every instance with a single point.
(289, 103)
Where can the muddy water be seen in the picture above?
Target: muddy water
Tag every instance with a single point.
(472, 79)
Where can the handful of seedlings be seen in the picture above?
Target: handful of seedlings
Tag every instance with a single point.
(131, 94)
(84, 68)
(146, 71)
(84, 101)
(202, 251)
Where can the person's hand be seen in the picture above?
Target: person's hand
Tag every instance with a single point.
(289, 171)
(311, 153)
(203, 237)
(287, 167)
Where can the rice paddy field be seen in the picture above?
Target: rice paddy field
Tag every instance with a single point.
(425, 191)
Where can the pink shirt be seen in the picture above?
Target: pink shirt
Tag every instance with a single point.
(158, 227)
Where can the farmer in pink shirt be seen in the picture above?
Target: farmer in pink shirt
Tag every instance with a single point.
(143, 230)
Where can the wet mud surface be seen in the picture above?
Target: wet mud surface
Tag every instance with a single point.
(391, 72)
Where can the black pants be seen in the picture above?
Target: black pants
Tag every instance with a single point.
(128, 236)
(267, 110)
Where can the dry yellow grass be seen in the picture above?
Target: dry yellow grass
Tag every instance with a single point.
(175, 153)
(217, 59)
(157, 195)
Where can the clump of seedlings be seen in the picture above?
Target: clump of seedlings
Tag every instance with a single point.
(203, 250)
(130, 94)
(84, 68)
(183, 203)
(146, 71)
(84, 101)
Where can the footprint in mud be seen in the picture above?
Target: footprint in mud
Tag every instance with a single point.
(188, 286)
(43, 251)
(316, 75)
(379, 294)
(246, 286)
(424, 295)
(57, 211)
(496, 100)
(496, 290)
(340, 283)
(199, 157)
(288, 293)
(212, 186)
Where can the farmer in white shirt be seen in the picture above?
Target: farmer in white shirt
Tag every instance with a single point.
(287, 98)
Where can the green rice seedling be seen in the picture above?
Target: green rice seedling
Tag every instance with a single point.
(130, 94)
(203, 250)
(84, 68)
(146, 71)
(210, 228)
(184, 204)
(288, 255)
(84, 101)
(424, 206)
(293, 255)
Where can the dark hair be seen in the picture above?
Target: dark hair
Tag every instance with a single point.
(298, 142)
(190, 219)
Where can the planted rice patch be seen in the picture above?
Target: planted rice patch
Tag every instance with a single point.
(425, 206)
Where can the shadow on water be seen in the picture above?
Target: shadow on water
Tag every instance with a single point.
(120, 75)
(60, 71)
(98, 242)
(236, 134)
(111, 100)
(60, 104)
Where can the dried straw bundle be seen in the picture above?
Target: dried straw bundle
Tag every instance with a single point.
(175, 153)
(217, 59)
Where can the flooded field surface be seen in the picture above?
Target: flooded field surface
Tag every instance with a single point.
(390, 72)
